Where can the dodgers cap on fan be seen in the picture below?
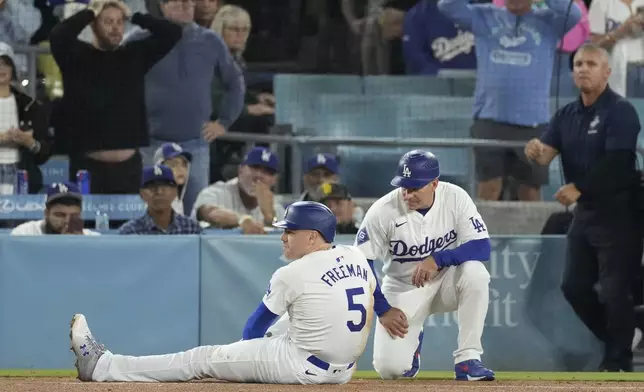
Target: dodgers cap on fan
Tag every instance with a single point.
(261, 156)
(63, 191)
(416, 169)
(169, 151)
(327, 161)
(157, 173)
(309, 215)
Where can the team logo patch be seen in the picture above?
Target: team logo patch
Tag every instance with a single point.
(362, 236)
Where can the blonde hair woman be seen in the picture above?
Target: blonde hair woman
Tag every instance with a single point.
(233, 24)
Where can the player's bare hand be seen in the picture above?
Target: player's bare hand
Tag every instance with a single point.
(395, 322)
(249, 226)
(534, 149)
(426, 270)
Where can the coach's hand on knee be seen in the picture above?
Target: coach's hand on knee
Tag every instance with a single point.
(425, 271)
(395, 322)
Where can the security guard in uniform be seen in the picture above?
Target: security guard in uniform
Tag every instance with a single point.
(596, 136)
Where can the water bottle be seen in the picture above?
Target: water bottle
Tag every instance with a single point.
(82, 181)
(102, 222)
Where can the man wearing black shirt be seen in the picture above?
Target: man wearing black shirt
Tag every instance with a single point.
(104, 115)
(597, 137)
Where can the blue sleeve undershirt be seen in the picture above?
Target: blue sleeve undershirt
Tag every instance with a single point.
(258, 323)
(380, 304)
(472, 250)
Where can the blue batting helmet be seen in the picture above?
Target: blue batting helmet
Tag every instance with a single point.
(309, 215)
(416, 169)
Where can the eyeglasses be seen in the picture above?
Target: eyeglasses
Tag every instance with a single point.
(238, 29)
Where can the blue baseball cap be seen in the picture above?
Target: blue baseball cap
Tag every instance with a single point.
(63, 190)
(327, 161)
(169, 151)
(261, 156)
(157, 173)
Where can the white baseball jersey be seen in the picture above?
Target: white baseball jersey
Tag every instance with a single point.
(329, 299)
(226, 195)
(397, 236)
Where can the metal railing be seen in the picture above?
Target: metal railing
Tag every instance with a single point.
(32, 65)
(296, 142)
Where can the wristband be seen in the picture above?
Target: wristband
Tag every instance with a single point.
(243, 218)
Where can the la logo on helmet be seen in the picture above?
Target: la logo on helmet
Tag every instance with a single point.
(406, 172)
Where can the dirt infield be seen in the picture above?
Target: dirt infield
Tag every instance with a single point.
(72, 385)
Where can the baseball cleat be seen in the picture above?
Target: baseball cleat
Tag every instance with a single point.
(472, 370)
(85, 347)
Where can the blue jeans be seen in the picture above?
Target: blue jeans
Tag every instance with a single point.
(199, 167)
(635, 81)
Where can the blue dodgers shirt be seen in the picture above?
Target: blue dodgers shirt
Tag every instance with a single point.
(432, 42)
(515, 56)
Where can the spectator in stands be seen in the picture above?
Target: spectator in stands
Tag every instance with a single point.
(178, 94)
(246, 201)
(319, 169)
(24, 138)
(618, 27)
(233, 24)
(19, 20)
(63, 208)
(173, 156)
(576, 36)
(515, 50)
(158, 191)
(104, 105)
(374, 49)
(432, 42)
(205, 11)
(337, 197)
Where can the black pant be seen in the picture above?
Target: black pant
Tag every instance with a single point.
(110, 178)
(605, 249)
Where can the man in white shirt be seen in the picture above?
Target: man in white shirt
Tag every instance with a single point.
(246, 201)
(617, 25)
(62, 213)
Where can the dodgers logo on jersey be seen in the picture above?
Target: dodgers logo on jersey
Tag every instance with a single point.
(404, 253)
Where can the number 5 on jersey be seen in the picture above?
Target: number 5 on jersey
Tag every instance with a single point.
(351, 294)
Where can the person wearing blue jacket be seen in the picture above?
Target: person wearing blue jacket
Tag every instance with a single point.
(432, 42)
(178, 95)
(516, 47)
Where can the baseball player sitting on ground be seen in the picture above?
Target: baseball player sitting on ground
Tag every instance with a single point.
(431, 239)
(327, 291)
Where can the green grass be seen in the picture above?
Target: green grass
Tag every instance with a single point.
(423, 375)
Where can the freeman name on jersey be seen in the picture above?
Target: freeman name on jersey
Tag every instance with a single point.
(340, 272)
